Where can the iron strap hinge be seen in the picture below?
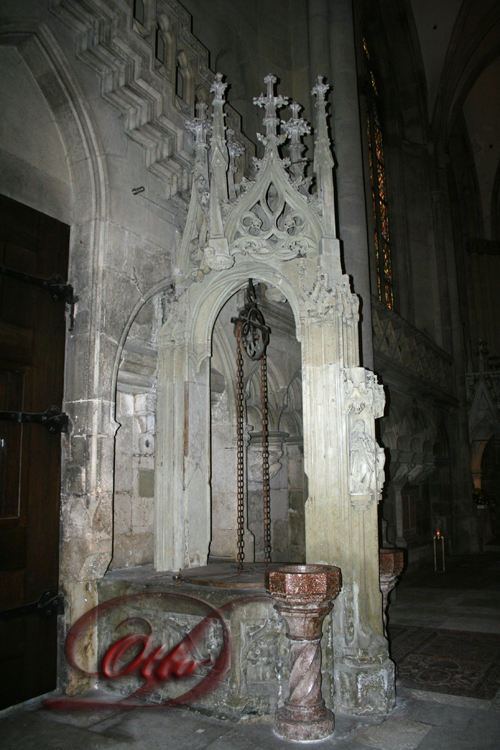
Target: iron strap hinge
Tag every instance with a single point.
(59, 290)
(54, 420)
(50, 603)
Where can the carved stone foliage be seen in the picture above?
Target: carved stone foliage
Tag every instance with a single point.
(329, 301)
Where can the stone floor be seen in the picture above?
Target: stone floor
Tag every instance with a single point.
(465, 599)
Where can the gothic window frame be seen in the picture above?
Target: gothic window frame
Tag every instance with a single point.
(184, 95)
(139, 11)
(164, 36)
(384, 266)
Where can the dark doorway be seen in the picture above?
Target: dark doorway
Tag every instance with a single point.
(32, 338)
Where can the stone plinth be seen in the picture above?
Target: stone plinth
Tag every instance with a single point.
(391, 566)
(304, 596)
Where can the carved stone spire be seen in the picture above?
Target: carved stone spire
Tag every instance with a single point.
(323, 159)
(296, 127)
(219, 159)
(270, 102)
(200, 127)
(216, 254)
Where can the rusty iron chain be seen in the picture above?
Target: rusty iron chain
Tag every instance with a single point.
(266, 495)
(239, 449)
(252, 336)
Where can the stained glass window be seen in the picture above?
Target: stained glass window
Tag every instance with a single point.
(379, 189)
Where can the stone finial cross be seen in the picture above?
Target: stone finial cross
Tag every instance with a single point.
(199, 126)
(320, 88)
(295, 127)
(218, 88)
(270, 102)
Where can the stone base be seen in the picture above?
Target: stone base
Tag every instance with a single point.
(303, 731)
(367, 688)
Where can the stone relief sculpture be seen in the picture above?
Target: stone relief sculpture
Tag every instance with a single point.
(362, 459)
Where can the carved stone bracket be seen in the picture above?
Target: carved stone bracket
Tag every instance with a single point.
(304, 596)
(363, 392)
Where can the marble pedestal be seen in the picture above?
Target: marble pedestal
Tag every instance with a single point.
(304, 596)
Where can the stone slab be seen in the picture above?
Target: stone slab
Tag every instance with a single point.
(27, 734)
(393, 734)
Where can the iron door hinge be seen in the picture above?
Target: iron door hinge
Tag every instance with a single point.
(59, 290)
(54, 420)
(49, 604)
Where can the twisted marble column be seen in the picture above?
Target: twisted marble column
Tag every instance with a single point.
(304, 595)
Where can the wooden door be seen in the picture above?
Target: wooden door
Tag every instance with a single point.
(32, 337)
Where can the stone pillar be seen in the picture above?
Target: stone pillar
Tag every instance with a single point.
(304, 596)
(352, 227)
(400, 540)
(319, 40)
(182, 470)
(391, 566)
(344, 467)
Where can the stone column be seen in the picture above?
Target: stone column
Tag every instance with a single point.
(304, 596)
(400, 540)
(319, 40)
(182, 468)
(352, 227)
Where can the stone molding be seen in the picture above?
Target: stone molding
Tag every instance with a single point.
(122, 52)
(410, 467)
(396, 341)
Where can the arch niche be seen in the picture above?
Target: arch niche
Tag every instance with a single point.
(283, 430)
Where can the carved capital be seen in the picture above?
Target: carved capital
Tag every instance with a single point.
(327, 301)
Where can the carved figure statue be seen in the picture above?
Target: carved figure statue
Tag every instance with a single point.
(362, 458)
